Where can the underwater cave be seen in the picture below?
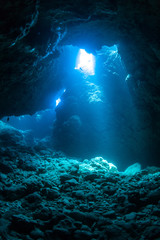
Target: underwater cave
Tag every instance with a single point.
(80, 120)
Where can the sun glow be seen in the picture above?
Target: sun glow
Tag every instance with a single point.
(85, 62)
(58, 101)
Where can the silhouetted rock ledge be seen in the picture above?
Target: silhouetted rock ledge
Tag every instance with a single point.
(62, 198)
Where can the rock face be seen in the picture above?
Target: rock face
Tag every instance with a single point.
(61, 198)
(32, 31)
(10, 136)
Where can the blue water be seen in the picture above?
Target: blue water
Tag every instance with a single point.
(40, 124)
(90, 114)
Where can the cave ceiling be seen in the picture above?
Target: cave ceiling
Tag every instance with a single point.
(33, 31)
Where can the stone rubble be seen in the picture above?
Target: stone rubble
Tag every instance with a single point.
(47, 195)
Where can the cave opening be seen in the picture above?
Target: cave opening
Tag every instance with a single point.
(58, 101)
(90, 114)
(91, 111)
(85, 62)
(95, 114)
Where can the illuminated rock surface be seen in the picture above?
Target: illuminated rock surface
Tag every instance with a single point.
(46, 195)
(32, 34)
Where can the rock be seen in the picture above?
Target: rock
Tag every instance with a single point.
(156, 212)
(152, 232)
(82, 234)
(110, 190)
(4, 224)
(91, 196)
(114, 230)
(154, 195)
(32, 184)
(133, 169)
(148, 185)
(130, 216)
(34, 197)
(69, 203)
(61, 233)
(86, 218)
(109, 214)
(79, 194)
(72, 182)
(37, 233)
(44, 213)
(113, 206)
(85, 228)
(91, 176)
(134, 197)
(121, 198)
(14, 192)
(77, 215)
(27, 165)
(51, 194)
(58, 234)
(22, 224)
(110, 178)
(5, 167)
(126, 225)
(74, 169)
(102, 221)
(152, 170)
(65, 177)
(10, 136)
(130, 207)
(99, 164)
(3, 178)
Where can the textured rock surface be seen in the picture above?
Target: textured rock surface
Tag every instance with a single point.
(32, 34)
(66, 199)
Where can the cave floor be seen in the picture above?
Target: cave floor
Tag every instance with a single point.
(45, 195)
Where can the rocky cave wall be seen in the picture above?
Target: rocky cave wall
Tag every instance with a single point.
(32, 31)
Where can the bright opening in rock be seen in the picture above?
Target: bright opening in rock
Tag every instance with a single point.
(58, 101)
(60, 94)
(85, 62)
